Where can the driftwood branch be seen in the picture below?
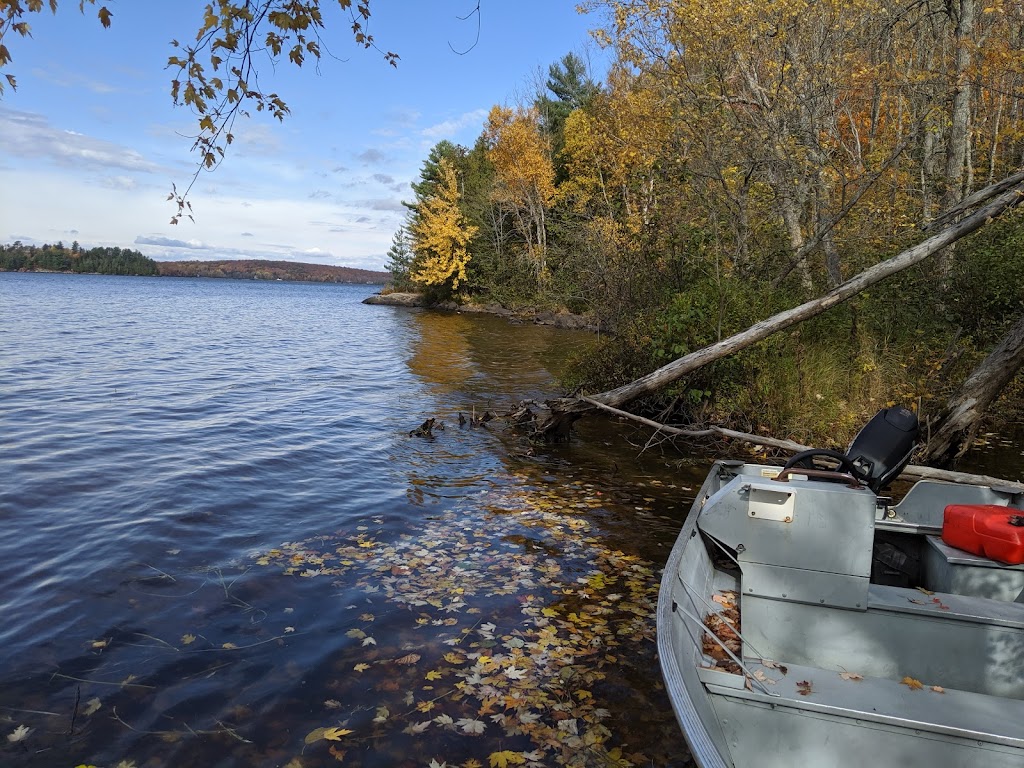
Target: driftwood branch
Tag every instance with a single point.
(913, 472)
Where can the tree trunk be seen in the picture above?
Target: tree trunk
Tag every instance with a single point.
(567, 410)
(958, 425)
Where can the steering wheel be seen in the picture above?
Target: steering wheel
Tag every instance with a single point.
(804, 459)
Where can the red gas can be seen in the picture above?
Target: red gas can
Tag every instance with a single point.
(987, 530)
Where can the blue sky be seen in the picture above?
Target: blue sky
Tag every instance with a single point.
(91, 142)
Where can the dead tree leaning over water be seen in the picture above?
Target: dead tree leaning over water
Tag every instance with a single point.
(565, 411)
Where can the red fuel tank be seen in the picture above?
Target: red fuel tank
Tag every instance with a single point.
(987, 530)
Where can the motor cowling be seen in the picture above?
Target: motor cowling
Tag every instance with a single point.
(884, 445)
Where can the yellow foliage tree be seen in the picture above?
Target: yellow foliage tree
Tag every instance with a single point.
(441, 234)
(524, 183)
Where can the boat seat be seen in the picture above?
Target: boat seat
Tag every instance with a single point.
(978, 610)
(888, 702)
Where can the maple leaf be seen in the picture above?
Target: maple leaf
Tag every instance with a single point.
(336, 734)
(911, 683)
(469, 725)
(361, 667)
(505, 758)
(229, 646)
(381, 715)
(515, 674)
(18, 734)
(804, 688)
(851, 676)
(471, 763)
(414, 729)
(188, 639)
(369, 641)
(434, 675)
(289, 630)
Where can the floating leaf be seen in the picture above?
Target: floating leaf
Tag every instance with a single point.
(229, 646)
(361, 667)
(409, 659)
(188, 639)
(18, 734)
(505, 758)
(92, 706)
(470, 725)
(336, 734)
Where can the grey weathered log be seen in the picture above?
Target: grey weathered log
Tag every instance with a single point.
(958, 424)
(568, 409)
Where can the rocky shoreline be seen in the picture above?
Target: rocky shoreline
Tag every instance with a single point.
(538, 317)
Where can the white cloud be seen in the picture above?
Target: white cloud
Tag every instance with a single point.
(449, 129)
(24, 134)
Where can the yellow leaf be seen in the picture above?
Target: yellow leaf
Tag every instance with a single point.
(911, 683)
(360, 667)
(433, 675)
(188, 639)
(336, 734)
(505, 758)
(229, 646)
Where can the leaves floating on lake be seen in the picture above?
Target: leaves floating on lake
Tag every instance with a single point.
(514, 617)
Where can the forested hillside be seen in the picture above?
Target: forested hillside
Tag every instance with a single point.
(739, 159)
(60, 258)
(246, 269)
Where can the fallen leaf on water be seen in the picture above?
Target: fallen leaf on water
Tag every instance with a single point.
(469, 725)
(336, 734)
(188, 639)
(91, 706)
(229, 646)
(505, 758)
(911, 683)
(332, 704)
(804, 688)
(289, 630)
(369, 641)
(411, 658)
(18, 734)
(851, 676)
(361, 667)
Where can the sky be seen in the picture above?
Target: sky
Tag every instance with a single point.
(90, 143)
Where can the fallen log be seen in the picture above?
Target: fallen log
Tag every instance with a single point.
(565, 411)
(910, 472)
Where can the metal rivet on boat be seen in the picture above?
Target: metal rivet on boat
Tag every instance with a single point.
(787, 519)
(822, 600)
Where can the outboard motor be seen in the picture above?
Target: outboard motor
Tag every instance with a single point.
(883, 447)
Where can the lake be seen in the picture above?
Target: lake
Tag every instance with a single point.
(221, 546)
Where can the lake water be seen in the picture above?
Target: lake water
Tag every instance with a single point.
(221, 547)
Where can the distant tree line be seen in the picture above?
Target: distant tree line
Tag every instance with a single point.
(18, 257)
(257, 269)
